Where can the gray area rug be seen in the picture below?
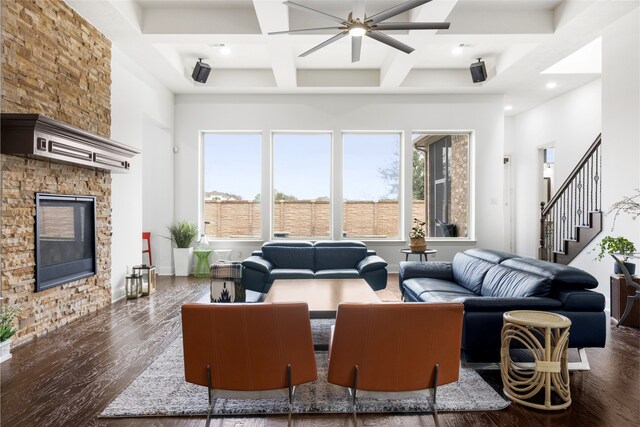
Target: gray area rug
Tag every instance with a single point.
(162, 391)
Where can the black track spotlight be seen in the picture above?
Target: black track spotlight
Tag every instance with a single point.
(478, 71)
(201, 71)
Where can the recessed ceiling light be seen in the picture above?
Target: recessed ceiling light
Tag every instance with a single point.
(508, 107)
(225, 50)
(552, 85)
(457, 50)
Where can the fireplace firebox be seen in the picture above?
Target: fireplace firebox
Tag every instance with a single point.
(65, 239)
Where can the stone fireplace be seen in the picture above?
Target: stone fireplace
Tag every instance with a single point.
(57, 64)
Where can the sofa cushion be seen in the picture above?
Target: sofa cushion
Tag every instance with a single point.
(339, 254)
(289, 254)
(489, 255)
(501, 281)
(561, 275)
(426, 289)
(469, 271)
(290, 273)
(341, 273)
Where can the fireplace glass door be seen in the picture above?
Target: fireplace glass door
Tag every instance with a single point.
(65, 239)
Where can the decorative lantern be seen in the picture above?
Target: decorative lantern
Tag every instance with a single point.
(133, 286)
(148, 277)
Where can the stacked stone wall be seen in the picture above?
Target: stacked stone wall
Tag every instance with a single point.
(57, 64)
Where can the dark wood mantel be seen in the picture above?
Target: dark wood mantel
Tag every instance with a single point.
(41, 136)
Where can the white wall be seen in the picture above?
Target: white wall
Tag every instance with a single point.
(611, 106)
(134, 97)
(570, 123)
(157, 191)
(481, 114)
(620, 129)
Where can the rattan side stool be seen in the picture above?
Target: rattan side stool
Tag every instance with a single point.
(546, 336)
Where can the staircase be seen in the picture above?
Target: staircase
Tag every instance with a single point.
(573, 216)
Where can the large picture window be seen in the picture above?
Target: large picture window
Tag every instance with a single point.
(441, 183)
(231, 198)
(371, 177)
(301, 185)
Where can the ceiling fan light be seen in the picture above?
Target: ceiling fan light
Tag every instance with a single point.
(357, 31)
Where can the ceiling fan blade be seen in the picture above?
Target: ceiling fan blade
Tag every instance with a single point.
(356, 48)
(358, 10)
(317, 12)
(325, 43)
(396, 10)
(383, 38)
(389, 26)
(306, 30)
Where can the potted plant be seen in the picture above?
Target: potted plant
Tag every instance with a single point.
(182, 234)
(617, 245)
(416, 235)
(7, 330)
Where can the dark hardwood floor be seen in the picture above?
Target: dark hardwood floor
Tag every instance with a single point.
(69, 376)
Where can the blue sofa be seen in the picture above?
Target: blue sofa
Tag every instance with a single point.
(489, 283)
(328, 259)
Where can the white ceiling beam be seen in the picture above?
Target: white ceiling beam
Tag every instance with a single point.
(397, 65)
(274, 16)
(200, 20)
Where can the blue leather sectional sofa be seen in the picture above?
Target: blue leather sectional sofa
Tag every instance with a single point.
(489, 283)
(326, 259)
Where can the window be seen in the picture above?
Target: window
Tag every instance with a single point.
(441, 183)
(231, 196)
(371, 178)
(301, 185)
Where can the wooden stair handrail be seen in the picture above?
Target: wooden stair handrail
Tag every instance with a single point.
(592, 149)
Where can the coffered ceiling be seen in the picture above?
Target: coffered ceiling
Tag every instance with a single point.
(517, 39)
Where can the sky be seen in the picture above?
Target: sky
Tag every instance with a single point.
(301, 163)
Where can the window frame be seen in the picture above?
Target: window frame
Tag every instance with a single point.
(401, 142)
(271, 179)
(471, 156)
(201, 189)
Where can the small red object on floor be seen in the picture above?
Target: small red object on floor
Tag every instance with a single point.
(146, 235)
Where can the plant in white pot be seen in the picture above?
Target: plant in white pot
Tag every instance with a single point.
(7, 330)
(182, 234)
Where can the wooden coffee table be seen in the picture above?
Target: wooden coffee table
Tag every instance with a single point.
(322, 295)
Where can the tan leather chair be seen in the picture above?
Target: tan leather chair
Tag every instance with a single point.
(243, 350)
(383, 349)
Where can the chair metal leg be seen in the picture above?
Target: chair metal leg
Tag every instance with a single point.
(435, 389)
(289, 419)
(210, 408)
(355, 395)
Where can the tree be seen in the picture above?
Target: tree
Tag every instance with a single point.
(391, 175)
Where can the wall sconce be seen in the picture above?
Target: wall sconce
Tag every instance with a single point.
(147, 275)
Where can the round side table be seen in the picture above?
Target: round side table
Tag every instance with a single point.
(424, 253)
(546, 336)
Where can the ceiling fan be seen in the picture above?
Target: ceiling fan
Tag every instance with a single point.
(358, 24)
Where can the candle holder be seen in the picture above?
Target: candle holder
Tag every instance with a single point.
(148, 277)
(133, 286)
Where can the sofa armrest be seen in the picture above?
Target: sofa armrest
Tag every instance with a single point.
(371, 252)
(431, 270)
(507, 304)
(580, 299)
(257, 263)
(370, 263)
(256, 253)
